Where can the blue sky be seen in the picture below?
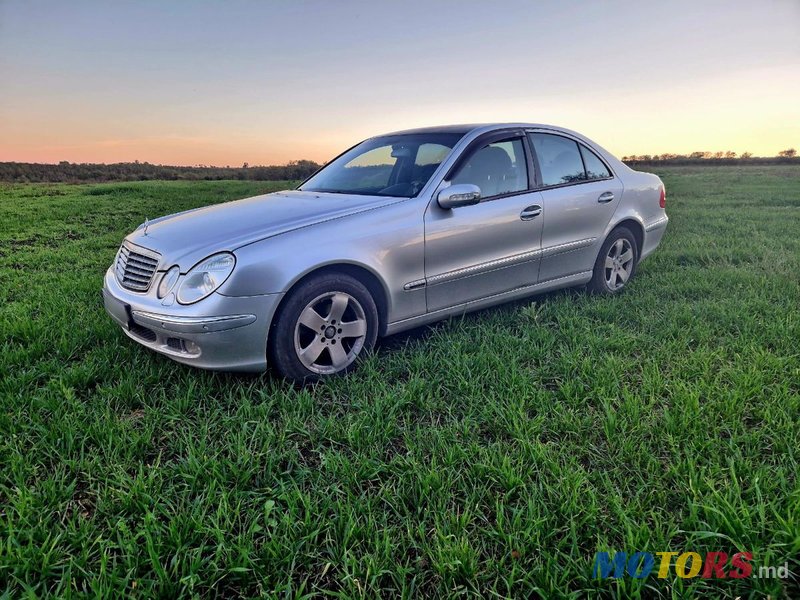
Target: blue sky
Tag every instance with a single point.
(226, 82)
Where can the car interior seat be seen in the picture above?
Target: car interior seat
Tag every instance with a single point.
(490, 168)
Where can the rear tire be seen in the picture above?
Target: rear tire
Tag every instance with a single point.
(616, 263)
(324, 326)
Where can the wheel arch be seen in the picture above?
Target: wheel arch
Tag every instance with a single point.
(368, 278)
(635, 227)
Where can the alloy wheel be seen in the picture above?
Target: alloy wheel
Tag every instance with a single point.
(330, 333)
(619, 264)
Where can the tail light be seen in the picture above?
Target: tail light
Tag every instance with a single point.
(662, 201)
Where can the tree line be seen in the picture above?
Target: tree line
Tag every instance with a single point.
(67, 172)
(788, 156)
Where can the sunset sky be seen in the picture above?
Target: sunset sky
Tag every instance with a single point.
(190, 82)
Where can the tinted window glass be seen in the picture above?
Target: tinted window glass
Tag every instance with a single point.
(595, 169)
(429, 157)
(371, 170)
(497, 168)
(559, 159)
(394, 165)
(431, 154)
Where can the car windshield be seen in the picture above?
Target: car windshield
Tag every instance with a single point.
(392, 165)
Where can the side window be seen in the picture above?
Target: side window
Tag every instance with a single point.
(595, 168)
(559, 159)
(497, 168)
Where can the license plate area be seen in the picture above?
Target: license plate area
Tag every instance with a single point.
(119, 311)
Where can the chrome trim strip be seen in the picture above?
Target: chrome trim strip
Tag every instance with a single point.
(502, 262)
(142, 250)
(485, 266)
(415, 285)
(662, 222)
(568, 247)
(191, 324)
(131, 263)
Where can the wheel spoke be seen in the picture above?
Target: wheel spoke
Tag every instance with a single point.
(626, 256)
(312, 319)
(618, 247)
(309, 355)
(338, 355)
(329, 332)
(609, 262)
(623, 275)
(353, 329)
(338, 306)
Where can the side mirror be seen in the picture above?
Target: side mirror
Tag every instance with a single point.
(460, 194)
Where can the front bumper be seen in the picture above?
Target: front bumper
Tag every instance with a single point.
(223, 333)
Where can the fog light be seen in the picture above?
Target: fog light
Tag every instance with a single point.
(191, 347)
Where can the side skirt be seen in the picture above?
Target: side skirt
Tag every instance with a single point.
(515, 294)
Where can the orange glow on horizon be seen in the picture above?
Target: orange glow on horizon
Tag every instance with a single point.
(211, 86)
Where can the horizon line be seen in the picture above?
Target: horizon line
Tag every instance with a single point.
(247, 165)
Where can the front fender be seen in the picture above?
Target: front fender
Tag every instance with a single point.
(388, 243)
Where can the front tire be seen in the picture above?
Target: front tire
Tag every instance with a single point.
(616, 263)
(323, 327)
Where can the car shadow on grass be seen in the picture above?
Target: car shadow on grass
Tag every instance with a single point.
(395, 342)
(420, 334)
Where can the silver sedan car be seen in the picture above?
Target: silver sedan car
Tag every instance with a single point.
(398, 231)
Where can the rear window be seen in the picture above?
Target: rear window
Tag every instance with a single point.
(563, 160)
(595, 168)
(559, 159)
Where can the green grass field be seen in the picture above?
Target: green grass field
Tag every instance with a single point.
(490, 455)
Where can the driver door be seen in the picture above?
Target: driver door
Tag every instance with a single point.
(473, 252)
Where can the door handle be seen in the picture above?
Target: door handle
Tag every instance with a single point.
(605, 197)
(530, 212)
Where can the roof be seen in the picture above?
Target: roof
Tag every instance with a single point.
(462, 129)
(468, 127)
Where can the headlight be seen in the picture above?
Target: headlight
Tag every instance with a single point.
(205, 277)
(168, 281)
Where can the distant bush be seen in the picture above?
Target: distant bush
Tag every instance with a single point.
(712, 158)
(67, 172)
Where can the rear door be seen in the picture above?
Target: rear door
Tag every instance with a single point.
(472, 252)
(579, 194)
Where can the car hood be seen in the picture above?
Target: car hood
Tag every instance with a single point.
(192, 235)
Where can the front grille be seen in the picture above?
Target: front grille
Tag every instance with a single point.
(134, 268)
